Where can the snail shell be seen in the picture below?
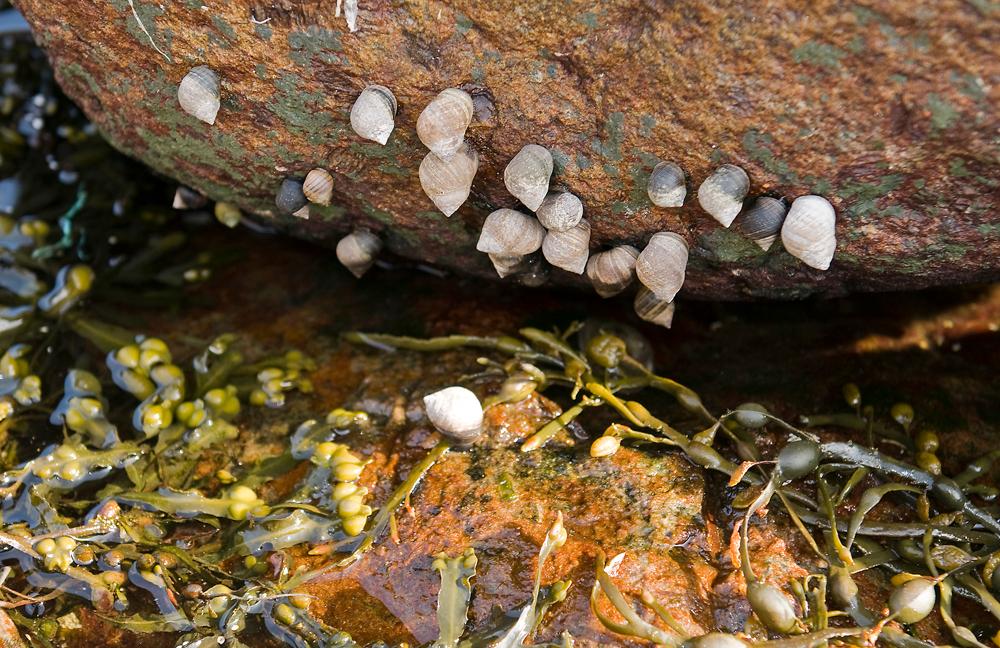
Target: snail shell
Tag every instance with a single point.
(442, 124)
(666, 186)
(527, 175)
(568, 250)
(722, 193)
(762, 222)
(652, 309)
(560, 211)
(612, 271)
(508, 265)
(456, 413)
(809, 231)
(290, 197)
(198, 94)
(508, 232)
(373, 114)
(358, 251)
(318, 186)
(187, 198)
(662, 263)
(447, 182)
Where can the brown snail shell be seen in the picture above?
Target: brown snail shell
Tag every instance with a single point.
(666, 186)
(722, 193)
(442, 124)
(447, 182)
(560, 211)
(527, 175)
(373, 114)
(570, 249)
(652, 309)
(612, 271)
(507, 232)
(762, 222)
(198, 94)
(318, 186)
(809, 231)
(662, 264)
(358, 251)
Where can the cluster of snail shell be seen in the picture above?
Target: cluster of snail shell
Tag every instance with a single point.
(512, 238)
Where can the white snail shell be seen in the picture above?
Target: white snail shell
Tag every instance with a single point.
(198, 94)
(442, 124)
(527, 175)
(662, 264)
(187, 198)
(570, 249)
(318, 186)
(809, 231)
(358, 251)
(373, 114)
(447, 182)
(666, 186)
(762, 222)
(611, 272)
(508, 265)
(560, 211)
(652, 309)
(722, 193)
(508, 232)
(456, 413)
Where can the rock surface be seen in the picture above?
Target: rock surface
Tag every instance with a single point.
(886, 108)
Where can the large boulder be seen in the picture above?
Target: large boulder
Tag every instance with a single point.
(886, 108)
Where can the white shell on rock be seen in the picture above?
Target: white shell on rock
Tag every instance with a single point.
(809, 231)
(666, 186)
(507, 232)
(198, 94)
(358, 251)
(662, 264)
(568, 250)
(442, 124)
(527, 175)
(318, 186)
(373, 114)
(560, 211)
(611, 272)
(187, 198)
(448, 182)
(508, 265)
(762, 222)
(456, 413)
(722, 193)
(652, 309)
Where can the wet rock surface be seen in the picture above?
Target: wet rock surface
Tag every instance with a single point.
(673, 520)
(885, 108)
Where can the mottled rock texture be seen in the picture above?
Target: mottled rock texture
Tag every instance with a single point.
(887, 107)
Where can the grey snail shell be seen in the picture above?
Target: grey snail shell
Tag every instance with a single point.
(507, 232)
(809, 231)
(666, 186)
(447, 182)
(762, 222)
(373, 114)
(611, 271)
(652, 309)
(569, 249)
(358, 250)
(198, 94)
(442, 124)
(661, 265)
(722, 193)
(318, 187)
(527, 175)
(290, 197)
(560, 211)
